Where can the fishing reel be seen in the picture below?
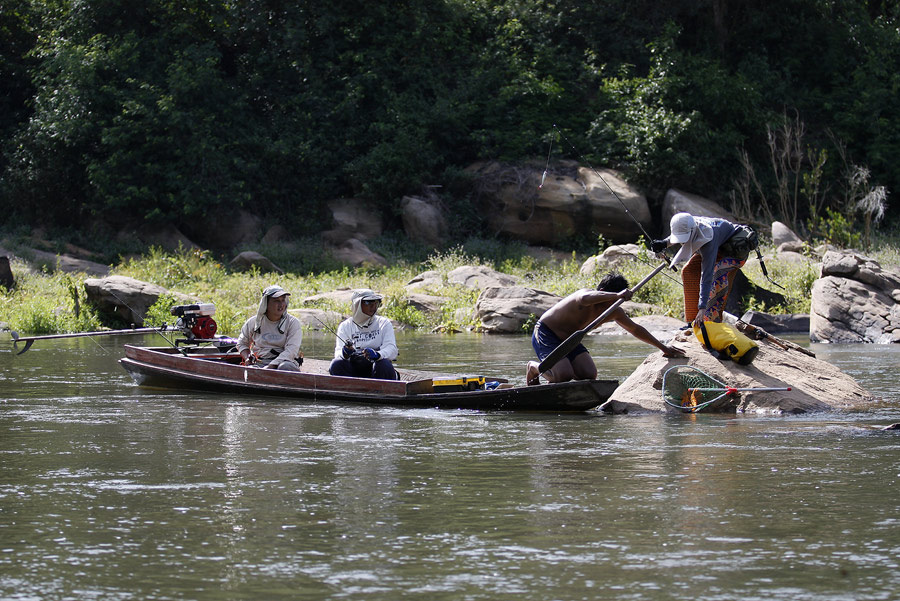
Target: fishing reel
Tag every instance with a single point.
(195, 321)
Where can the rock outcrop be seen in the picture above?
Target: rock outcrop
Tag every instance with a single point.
(677, 201)
(571, 201)
(423, 220)
(612, 257)
(66, 263)
(127, 298)
(250, 258)
(784, 239)
(506, 310)
(479, 276)
(354, 222)
(815, 385)
(353, 218)
(427, 279)
(355, 253)
(855, 300)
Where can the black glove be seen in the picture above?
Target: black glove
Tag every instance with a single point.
(347, 351)
(657, 246)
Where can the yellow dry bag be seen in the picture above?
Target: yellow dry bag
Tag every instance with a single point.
(727, 341)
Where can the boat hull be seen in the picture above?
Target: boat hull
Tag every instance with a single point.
(209, 371)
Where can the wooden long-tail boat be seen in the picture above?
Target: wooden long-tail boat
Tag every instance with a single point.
(208, 369)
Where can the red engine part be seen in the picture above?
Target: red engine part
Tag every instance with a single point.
(204, 328)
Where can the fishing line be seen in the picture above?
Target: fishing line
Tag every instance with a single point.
(547, 166)
(624, 206)
(597, 173)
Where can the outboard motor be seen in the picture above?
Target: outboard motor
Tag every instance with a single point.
(196, 321)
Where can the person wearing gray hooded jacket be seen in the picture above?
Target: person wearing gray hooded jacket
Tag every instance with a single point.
(272, 337)
(365, 346)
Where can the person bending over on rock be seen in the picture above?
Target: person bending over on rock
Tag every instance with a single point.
(365, 345)
(574, 313)
(272, 337)
(711, 263)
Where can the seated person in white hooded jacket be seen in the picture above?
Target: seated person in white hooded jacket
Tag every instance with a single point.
(365, 345)
(272, 337)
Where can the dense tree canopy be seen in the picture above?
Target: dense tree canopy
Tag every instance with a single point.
(172, 110)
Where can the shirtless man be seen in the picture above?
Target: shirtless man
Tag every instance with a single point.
(575, 312)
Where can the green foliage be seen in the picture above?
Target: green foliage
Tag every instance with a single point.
(185, 269)
(836, 228)
(43, 303)
(184, 112)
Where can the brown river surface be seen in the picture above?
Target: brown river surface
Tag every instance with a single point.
(109, 491)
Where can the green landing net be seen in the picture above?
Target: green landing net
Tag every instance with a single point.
(690, 390)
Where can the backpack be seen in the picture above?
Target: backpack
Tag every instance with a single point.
(740, 243)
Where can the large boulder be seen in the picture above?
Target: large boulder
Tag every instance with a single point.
(167, 237)
(426, 303)
(341, 296)
(742, 288)
(677, 201)
(127, 298)
(815, 384)
(784, 239)
(612, 257)
(505, 310)
(778, 324)
(662, 327)
(230, 228)
(571, 201)
(318, 319)
(355, 253)
(250, 259)
(423, 220)
(66, 263)
(855, 300)
(427, 279)
(353, 218)
(481, 277)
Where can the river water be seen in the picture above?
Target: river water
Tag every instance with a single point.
(111, 491)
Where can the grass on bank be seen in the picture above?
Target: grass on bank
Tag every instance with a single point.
(48, 303)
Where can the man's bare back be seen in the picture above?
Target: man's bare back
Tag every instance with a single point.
(579, 309)
(573, 313)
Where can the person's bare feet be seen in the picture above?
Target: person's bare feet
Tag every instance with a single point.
(532, 376)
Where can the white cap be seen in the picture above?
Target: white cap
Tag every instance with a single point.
(274, 291)
(690, 233)
(682, 226)
(366, 295)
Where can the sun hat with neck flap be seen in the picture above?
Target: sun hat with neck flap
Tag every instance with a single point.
(364, 294)
(690, 233)
(273, 291)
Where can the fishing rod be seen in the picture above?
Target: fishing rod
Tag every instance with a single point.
(29, 340)
(331, 329)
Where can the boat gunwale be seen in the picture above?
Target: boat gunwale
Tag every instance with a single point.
(560, 396)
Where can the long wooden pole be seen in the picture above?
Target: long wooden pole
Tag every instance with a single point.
(574, 339)
(29, 340)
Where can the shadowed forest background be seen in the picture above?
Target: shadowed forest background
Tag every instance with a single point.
(182, 111)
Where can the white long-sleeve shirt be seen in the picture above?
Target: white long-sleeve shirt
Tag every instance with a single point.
(286, 344)
(378, 335)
